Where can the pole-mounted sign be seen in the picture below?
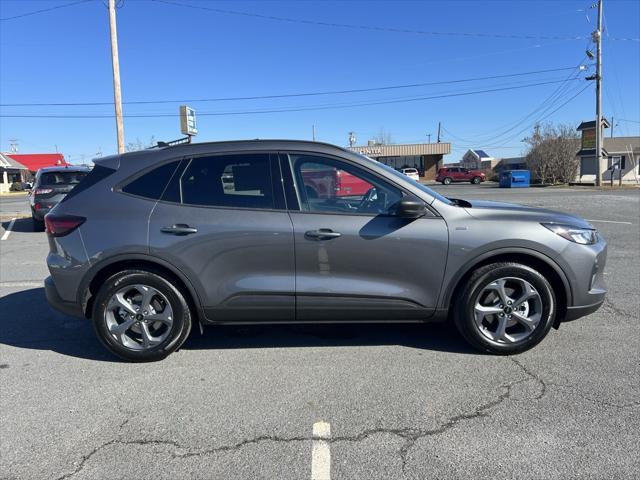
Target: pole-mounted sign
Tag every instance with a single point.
(188, 121)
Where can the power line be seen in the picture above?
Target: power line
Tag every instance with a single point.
(625, 120)
(295, 109)
(379, 28)
(291, 95)
(544, 106)
(43, 10)
(538, 120)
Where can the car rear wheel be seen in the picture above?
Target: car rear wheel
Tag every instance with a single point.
(140, 316)
(505, 308)
(446, 181)
(476, 180)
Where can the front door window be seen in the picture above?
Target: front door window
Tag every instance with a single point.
(328, 186)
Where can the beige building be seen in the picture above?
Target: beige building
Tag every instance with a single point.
(620, 156)
(427, 158)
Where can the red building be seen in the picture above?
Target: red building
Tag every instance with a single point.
(36, 161)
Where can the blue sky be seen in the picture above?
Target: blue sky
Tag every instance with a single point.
(173, 52)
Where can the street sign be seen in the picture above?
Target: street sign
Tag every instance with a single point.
(188, 121)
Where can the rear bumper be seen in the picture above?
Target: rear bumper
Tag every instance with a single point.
(57, 303)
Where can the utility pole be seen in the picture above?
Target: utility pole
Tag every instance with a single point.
(115, 63)
(438, 132)
(428, 138)
(597, 37)
(313, 132)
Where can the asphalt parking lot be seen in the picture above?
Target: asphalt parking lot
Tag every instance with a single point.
(400, 401)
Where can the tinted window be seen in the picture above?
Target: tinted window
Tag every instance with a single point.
(151, 184)
(329, 186)
(242, 181)
(61, 178)
(97, 174)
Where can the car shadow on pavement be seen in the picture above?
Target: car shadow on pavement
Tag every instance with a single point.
(27, 321)
(22, 225)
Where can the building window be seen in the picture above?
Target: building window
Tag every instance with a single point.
(617, 159)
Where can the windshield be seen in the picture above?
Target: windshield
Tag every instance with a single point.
(397, 174)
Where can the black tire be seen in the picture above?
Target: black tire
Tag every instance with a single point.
(178, 332)
(464, 305)
(38, 225)
(475, 180)
(446, 181)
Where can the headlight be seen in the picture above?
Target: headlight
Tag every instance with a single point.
(583, 236)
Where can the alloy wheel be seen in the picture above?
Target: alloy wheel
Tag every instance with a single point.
(507, 310)
(139, 317)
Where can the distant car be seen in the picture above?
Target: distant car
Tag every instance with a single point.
(50, 186)
(411, 173)
(448, 175)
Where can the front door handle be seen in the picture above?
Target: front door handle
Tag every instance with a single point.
(321, 234)
(179, 229)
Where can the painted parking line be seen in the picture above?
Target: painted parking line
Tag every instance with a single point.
(609, 221)
(25, 284)
(8, 230)
(320, 452)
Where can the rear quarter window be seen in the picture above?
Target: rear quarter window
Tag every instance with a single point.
(152, 183)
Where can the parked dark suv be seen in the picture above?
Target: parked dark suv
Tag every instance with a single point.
(153, 242)
(447, 175)
(51, 185)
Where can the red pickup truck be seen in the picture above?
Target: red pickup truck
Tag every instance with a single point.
(448, 175)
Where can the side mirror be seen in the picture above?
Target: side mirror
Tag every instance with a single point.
(410, 207)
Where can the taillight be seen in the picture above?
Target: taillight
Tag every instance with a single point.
(61, 225)
(43, 191)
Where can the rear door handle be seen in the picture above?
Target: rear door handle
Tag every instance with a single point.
(179, 229)
(322, 234)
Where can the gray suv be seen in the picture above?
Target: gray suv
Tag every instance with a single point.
(50, 187)
(153, 242)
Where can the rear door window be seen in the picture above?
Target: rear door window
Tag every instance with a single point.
(233, 181)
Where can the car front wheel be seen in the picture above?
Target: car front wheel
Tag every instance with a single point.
(476, 180)
(505, 308)
(141, 316)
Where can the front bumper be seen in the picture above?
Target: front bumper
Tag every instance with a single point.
(585, 266)
(574, 313)
(56, 302)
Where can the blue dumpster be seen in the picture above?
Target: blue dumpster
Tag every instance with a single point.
(515, 179)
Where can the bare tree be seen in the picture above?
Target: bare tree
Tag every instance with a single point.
(139, 145)
(383, 137)
(552, 153)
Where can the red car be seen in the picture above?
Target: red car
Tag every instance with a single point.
(330, 183)
(458, 174)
